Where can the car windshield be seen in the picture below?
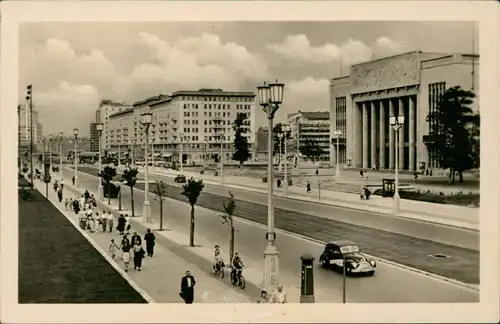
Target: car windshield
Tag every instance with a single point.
(355, 256)
(349, 249)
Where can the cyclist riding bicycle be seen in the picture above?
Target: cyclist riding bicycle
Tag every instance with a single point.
(217, 256)
(237, 264)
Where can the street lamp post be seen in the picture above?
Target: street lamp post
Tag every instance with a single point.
(286, 129)
(280, 143)
(337, 134)
(60, 155)
(29, 97)
(181, 135)
(43, 150)
(270, 97)
(75, 132)
(221, 154)
(100, 192)
(396, 123)
(146, 119)
(50, 154)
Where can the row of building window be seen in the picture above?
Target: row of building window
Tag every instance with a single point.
(436, 90)
(341, 115)
(218, 99)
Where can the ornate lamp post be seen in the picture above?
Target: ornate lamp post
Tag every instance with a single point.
(221, 154)
(43, 150)
(181, 136)
(75, 132)
(337, 134)
(29, 97)
(270, 97)
(396, 123)
(286, 132)
(50, 153)
(146, 119)
(60, 155)
(100, 192)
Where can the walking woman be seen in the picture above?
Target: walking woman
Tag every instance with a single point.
(121, 224)
(150, 242)
(138, 256)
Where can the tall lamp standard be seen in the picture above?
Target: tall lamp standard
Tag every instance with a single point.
(50, 154)
(337, 134)
(221, 154)
(286, 132)
(181, 136)
(60, 155)
(146, 119)
(396, 123)
(75, 132)
(270, 97)
(29, 97)
(43, 150)
(99, 127)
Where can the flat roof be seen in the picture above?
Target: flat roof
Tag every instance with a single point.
(153, 98)
(213, 92)
(123, 112)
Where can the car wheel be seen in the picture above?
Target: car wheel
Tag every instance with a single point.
(348, 271)
(324, 262)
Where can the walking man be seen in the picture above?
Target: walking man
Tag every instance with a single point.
(187, 288)
(135, 239)
(150, 242)
(111, 220)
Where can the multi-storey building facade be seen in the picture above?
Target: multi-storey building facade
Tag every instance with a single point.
(24, 128)
(408, 84)
(309, 126)
(107, 108)
(201, 121)
(94, 138)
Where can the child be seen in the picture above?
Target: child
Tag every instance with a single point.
(112, 248)
(66, 203)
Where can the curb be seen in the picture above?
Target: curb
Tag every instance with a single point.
(130, 281)
(392, 263)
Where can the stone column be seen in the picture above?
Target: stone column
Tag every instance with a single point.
(411, 133)
(391, 137)
(365, 134)
(401, 111)
(373, 135)
(381, 156)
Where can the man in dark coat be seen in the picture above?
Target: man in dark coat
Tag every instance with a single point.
(135, 238)
(187, 288)
(76, 206)
(150, 242)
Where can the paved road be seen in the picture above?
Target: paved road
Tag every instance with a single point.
(390, 284)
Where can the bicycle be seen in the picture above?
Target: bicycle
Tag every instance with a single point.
(237, 278)
(218, 268)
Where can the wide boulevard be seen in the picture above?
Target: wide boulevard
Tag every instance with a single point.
(403, 241)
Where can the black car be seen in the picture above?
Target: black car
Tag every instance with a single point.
(338, 252)
(113, 190)
(180, 178)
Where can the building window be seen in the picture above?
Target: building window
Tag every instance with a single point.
(436, 90)
(341, 124)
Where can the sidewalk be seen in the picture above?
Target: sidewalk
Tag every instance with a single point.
(451, 215)
(161, 275)
(179, 238)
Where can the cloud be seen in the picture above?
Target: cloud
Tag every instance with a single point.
(67, 106)
(299, 48)
(194, 62)
(308, 87)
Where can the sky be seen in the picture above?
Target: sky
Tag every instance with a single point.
(73, 66)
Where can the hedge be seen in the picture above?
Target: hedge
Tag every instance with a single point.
(460, 198)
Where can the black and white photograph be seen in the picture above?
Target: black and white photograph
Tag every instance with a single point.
(210, 157)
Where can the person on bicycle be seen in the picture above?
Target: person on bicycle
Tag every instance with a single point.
(237, 265)
(217, 256)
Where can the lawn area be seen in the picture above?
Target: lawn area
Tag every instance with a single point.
(57, 264)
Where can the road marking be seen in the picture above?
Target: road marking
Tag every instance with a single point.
(130, 281)
(474, 288)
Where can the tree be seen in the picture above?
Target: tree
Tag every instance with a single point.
(107, 174)
(278, 129)
(130, 177)
(241, 145)
(311, 150)
(192, 190)
(450, 133)
(476, 152)
(227, 218)
(160, 190)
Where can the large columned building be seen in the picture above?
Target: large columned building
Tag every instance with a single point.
(408, 84)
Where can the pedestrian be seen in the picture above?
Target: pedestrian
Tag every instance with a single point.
(150, 242)
(55, 186)
(135, 238)
(60, 195)
(98, 222)
(104, 221)
(187, 288)
(73, 179)
(128, 226)
(125, 241)
(62, 184)
(76, 206)
(66, 204)
(361, 173)
(263, 298)
(86, 195)
(92, 223)
(278, 183)
(121, 224)
(279, 296)
(308, 187)
(126, 256)
(113, 248)
(138, 255)
(111, 220)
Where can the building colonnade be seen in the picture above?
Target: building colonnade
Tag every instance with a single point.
(376, 136)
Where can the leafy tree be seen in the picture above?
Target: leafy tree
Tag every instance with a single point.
(241, 145)
(160, 189)
(476, 152)
(130, 177)
(192, 190)
(450, 131)
(311, 149)
(107, 174)
(278, 129)
(227, 218)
